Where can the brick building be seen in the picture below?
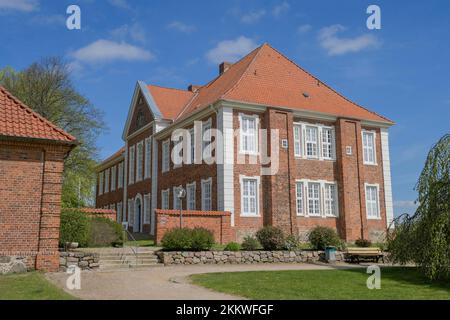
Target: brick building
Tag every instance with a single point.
(329, 157)
(32, 153)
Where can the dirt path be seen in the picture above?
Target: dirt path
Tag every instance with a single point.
(162, 283)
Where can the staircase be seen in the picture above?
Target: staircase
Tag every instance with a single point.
(126, 260)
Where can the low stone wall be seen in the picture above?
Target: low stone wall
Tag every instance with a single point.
(84, 260)
(13, 264)
(242, 257)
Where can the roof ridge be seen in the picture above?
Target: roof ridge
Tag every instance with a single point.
(246, 69)
(36, 115)
(170, 88)
(326, 85)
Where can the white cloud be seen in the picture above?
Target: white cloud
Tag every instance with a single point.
(107, 51)
(304, 28)
(231, 50)
(180, 26)
(123, 4)
(405, 204)
(335, 45)
(19, 5)
(253, 16)
(135, 31)
(281, 9)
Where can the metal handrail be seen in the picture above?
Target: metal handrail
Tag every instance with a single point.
(135, 241)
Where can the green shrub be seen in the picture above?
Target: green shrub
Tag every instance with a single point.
(271, 238)
(202, 239)
(104, 232)
(250, 244)
(74, 227)
(292, 243)
(177, 239)
(363, 243)
(322, 237)
(232, 246)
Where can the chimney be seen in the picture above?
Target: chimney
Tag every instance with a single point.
(224, 66)
(193, 88)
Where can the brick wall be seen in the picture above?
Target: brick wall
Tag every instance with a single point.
(217, 222)
(30, 189)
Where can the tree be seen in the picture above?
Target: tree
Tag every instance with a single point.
(424, 238)
(46, 87)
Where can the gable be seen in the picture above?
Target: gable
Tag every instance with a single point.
(141, 115)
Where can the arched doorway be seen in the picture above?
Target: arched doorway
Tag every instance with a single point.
(137, 226)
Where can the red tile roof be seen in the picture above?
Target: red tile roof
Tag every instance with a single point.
(117, 154)
(265, 77)
(19, 121)
(170, 101)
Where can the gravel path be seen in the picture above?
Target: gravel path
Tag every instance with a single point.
(163, 283)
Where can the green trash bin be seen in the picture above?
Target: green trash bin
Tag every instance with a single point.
(330, 254)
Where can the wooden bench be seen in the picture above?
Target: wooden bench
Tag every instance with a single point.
(356, 254)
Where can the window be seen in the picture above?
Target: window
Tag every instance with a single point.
(166, 156)
(190, 196)
(311, 141)
(368, 141)
(249, 134)
(297, 141)
(131, 164)
(178, 152)
(372, 202)
(107, 180)
(165, 199)
(100, 183)
(330, 203)
(249, 196)
(131, 212)
(314, 199)
(113, 178)
(177, 202)
(147, 208)
(299, 192)
(119, 212)
(206, 194)
(120, 174)
(192, 134)
(327, 143)
(206, 128)
(140, 161)
(148, 158)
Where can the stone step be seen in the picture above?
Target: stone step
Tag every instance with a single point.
(127, 254)
(128, 266)
(131, 261)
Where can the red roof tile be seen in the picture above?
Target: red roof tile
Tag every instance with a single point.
(19, 121)
(170, 101)
(265, 77)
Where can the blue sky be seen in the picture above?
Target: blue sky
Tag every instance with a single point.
(400, 71)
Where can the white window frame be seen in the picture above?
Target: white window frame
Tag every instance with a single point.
(300, 197)
(181, 155)
(206, 138)
(334, 201)
(243, 134)
(331, 144)
(148, 158)
(192, 145)
(298, 134)
(300, 143)
(165, 156)
(165, 199)
(204, 199)
(101, 183)
(316, 143)
(131, 165)
(258, 183)
(113, 178)
(309, 199)
(365, 147)
(120, 174)
(177, 200)
(377, 188)
(147, 208)
(107, 171)
(191, 191)
(322, 198)
(139, 160)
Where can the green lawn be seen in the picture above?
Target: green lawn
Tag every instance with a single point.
(30, 286)
(396, 283)
(140, 243)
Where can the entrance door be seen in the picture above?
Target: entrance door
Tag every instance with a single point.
(137, 216)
